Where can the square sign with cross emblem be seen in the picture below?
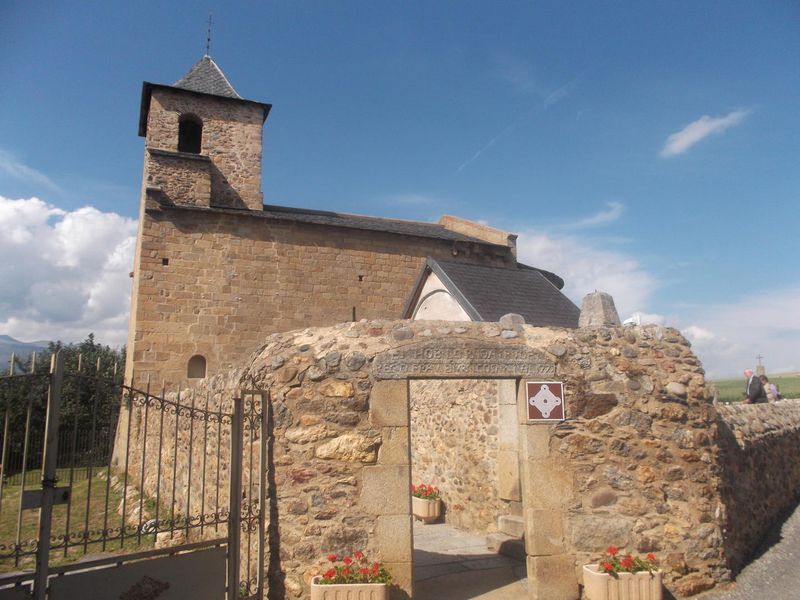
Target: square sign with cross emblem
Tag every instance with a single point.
(545, 400)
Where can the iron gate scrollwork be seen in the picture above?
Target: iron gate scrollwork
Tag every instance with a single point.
(114, 468)
(250, 429)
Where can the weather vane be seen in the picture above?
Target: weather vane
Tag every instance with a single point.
(208, 36)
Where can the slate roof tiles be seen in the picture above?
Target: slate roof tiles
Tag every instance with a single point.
(207, 78)
(488, 293)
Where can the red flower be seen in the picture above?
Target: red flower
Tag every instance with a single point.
(345, 571)
(608, 567)
(650, 556)
(612, 550)
(364, 571)
(332, 557)
(330, 574)
(347, 560)
(627, 562)
(358, 554)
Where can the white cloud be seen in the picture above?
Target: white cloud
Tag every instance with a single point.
(13, 167)
(612, 212)
(643, 318)
(65, 273)
(681, 141)
(729, 337)
(586, 267)
(698, 335)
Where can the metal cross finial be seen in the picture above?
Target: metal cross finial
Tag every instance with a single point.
(208, 36)
(759, 357)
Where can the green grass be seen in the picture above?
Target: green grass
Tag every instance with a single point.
(732, 390)
(78, 521)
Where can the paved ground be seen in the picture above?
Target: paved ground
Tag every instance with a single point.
(775, 572)
(453, 565)
(450, 564)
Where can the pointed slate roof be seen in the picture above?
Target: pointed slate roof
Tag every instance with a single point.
(207, 78)
(487, 293)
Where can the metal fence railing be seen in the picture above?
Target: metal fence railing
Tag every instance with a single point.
(92, 465)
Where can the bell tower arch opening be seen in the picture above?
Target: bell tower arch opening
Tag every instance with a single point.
(190, 134)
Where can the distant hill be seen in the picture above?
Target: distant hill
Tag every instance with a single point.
(9, 346)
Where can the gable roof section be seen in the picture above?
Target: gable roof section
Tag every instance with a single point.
(488, 293)
(207, 78)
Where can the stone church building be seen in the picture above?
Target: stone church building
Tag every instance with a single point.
(216, 270)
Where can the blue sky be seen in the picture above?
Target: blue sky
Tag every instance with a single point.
(648, 151)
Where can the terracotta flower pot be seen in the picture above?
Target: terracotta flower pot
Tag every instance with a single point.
(348, 591)
(426, 511)
(627, 586)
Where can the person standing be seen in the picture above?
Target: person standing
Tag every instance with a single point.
(769, 388)
(754, 390)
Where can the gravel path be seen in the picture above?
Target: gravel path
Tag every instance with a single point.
(775, 574)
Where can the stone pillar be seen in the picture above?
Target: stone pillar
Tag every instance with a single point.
(598, 310)
(546, 490)
(508, 483)
(386, 489)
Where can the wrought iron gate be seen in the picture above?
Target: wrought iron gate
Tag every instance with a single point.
(114, 469)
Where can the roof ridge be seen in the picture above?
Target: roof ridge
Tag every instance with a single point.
(347, 214)
(216, 66)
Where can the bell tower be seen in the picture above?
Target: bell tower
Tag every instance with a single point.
(202, 156)
(202, 142)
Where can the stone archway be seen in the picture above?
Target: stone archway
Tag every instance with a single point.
(545, 486)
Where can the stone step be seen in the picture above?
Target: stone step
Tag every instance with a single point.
(511, 525)
(506, 545)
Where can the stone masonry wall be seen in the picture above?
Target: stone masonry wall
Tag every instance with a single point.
(182, 178)
(635, 464)
(454, 446)
(643, 460)
(231, 279)
(760, 471)
(231, 139)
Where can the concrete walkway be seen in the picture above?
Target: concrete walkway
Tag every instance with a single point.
(774, 573)
(450, 564)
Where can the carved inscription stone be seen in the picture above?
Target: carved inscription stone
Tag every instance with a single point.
(461, 358)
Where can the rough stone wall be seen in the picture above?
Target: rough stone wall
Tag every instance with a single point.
(454, 446)
(635, 464)
(234, 278)
(643, 461)
(182, 178)
(760, 471)
(231, 139)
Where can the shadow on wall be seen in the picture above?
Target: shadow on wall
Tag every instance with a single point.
(760, 476)
(223, 194)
